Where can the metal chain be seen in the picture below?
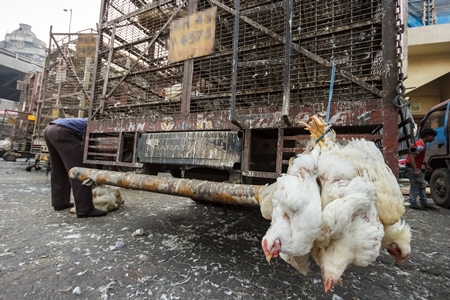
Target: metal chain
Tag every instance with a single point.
(399, 100)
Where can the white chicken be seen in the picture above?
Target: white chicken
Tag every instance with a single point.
(335, 169)
(173, 92)
(265, 196)
(107, 197)
(355, 238)
(355, 200)
(301, 163)
(356, 209)
(305, 163)
(5, 144)
(295, 218)
(397, 240)
(368, 158)
(355, 158)
(363, 157)
(301, 263)
(296, 214)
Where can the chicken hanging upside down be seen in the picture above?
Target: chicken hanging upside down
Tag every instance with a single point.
(340, 204)
(351, 232)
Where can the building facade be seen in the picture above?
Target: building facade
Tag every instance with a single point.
(428, 39)
(24, 42)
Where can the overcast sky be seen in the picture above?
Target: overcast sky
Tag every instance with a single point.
(41, 14)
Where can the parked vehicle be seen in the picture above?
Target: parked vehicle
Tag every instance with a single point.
(438, 155)
(17, 143)
(216, 90)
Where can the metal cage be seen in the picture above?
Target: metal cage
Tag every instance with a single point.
(270, 69)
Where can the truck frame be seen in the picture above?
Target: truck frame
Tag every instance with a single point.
(235, 114)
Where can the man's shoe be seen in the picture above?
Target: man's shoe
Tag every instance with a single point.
(415, 206)
(66, 206)
(431, 207)
(92, 214)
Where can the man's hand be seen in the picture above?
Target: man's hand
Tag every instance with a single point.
(429, 169)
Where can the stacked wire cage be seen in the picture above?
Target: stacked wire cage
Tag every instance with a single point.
(67, 78)
(134, 73)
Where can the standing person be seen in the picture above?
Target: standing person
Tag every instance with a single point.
(64, 141)
(413, 168)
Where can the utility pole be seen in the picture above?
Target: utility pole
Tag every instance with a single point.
(70, 21)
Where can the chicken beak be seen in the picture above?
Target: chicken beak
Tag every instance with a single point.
(399, 260)
(268, 257)
(328, 285)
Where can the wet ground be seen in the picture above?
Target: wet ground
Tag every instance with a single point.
(187, 251)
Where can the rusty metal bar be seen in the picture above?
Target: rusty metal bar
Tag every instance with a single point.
(227, 193)
(246, 150)
(287, 65)
(389, 111)
(108, 65)
(280, 145)
(42, 96)
(234, 70)
(188, 72)
(96, 68)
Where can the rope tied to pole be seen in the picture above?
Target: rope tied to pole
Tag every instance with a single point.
(330, 95)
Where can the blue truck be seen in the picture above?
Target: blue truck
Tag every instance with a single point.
(438, 153)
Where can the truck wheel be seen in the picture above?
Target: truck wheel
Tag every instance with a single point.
(9, 157)
(440, 187)
(175, 173)
(149, 169)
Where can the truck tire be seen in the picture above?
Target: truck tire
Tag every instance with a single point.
(440, 187)
(150, 169)
(175, 173)
(9, 157)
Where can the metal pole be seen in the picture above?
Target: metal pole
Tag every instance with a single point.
(242, 194)
(70, 20)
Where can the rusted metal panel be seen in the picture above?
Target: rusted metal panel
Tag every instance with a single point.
(218, 149)
(228, 193)
(388, 111)
(287, 65)
(355, 113)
